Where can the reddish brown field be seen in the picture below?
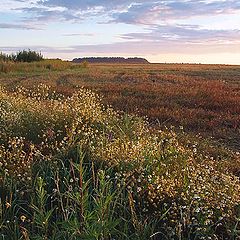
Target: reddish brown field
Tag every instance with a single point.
(203, 99)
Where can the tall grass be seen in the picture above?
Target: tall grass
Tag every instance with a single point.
(73, 168)
(44, 65)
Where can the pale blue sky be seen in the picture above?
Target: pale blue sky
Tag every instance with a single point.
(162, 31)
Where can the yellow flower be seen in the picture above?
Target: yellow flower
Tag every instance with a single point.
(23, 218)
(8, 205)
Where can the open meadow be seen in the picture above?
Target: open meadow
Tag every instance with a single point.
(203, 99)
(119, 151)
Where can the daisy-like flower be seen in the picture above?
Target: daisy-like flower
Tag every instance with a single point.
(8, 205)
(23, 218)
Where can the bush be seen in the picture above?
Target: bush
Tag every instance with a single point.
(22, 56)
(28, 56)
(4, 57)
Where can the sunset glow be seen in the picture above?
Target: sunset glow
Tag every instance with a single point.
(162, 31)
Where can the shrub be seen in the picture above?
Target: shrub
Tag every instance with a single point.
(22, 56)
(4, 57)
(28, 56)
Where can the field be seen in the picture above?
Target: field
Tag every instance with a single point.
(202, 98)
(156, 156)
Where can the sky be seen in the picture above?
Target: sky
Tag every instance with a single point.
(172, 31)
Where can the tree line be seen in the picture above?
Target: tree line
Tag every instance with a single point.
(135, 60)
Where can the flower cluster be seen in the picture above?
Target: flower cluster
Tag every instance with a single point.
(155, 169)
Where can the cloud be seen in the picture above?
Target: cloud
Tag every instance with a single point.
(155, 17)
(144, 13)
(127, 11)
(15, 6)
(79, 34)
(147, 12)
(17, 26)
(43, 14)
(185, 33)
(152, 12)
(38, 48)
(72, 10)
(87, 4)
(144, 47)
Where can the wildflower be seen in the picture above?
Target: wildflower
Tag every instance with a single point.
(197, 210)
(139, 189)
(8, 205)
(23, 218)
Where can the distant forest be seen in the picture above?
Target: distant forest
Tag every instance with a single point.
(134, 60)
